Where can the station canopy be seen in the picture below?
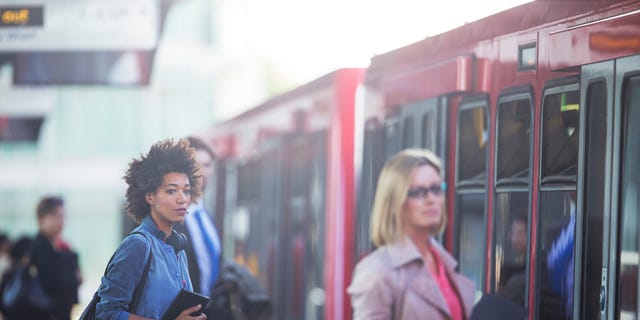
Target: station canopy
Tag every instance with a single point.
(79, 42)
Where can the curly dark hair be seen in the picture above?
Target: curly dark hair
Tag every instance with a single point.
(145, 174)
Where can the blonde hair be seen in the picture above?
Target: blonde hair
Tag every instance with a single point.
(391, 193)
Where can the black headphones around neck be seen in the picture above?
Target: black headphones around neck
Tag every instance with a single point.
(177, 240)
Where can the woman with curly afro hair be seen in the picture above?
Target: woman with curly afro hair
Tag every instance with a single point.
(161, 186)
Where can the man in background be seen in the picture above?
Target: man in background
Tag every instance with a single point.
(204, 249)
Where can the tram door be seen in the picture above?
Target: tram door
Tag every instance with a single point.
(607, 229)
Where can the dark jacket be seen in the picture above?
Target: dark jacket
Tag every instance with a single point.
(192, 259)
(58, 273)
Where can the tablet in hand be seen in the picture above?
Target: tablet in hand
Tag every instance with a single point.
(184, 300)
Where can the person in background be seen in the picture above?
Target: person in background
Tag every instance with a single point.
(161, 186)
(19, 258)
(409, 275)
(5, 260)
(203, 250)
(5, 257)
(513, 277)
(212, 276)
(54, 260)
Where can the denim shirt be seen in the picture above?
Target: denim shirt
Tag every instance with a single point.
(167, 275)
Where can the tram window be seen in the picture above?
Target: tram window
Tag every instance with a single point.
(527, 57)
(514, 139)
(392, 138)
(510, 247)
(472, 143)
(429, 131)
(371, 165)
(247, 186)
(560, 129)
(470, 230)
(554, 270)
(630, 205)
(407, 134)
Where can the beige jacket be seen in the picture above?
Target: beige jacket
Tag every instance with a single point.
(394, 276)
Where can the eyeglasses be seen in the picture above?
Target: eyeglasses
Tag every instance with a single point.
(421, 192)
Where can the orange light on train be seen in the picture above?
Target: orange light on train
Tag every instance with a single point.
(612, 42)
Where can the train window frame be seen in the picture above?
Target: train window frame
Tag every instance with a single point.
(479, 101)
(471, 195)
(625, 210)
(368, 172)
(413, 125)
(524, 56)
(429, 128)
(507, 191)
(392, 134)
(408, 132)
(553, 87)
(552, 189)
(511, 95)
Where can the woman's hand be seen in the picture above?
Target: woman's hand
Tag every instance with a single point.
(186, 314)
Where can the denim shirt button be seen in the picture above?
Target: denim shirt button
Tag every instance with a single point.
(177, 275)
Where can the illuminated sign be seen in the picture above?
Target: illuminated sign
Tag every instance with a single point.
(21, 16)
(64, 25)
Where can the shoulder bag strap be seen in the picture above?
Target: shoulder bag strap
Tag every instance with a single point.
(138, 292)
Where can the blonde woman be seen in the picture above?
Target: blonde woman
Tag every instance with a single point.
(410, 275)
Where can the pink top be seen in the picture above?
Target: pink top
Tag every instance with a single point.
(448, 292)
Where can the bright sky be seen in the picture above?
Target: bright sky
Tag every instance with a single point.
(320, 36)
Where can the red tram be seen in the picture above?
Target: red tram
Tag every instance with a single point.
(285, 185)
(531, 109)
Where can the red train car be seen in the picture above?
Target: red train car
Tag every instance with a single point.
(532, 110)
(285, 185)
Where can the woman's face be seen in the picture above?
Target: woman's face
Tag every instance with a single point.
(51, 224)
(422, 210)
(170, 201)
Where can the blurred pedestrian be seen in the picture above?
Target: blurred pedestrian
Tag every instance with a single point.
(5, 258)
(19, 258)
(161, 186)
(513, 276)
(409, 275)
(5, 261)
(54, 259)
(203, 250)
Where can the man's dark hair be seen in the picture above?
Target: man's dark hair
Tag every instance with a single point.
(47, 204)
(199, 144)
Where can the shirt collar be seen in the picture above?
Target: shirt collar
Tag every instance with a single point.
(150, 226)
(199, 206)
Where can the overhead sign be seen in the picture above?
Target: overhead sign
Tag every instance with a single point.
(21, 17)
(62, 25)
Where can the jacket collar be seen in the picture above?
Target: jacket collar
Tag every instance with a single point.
(404, 251)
